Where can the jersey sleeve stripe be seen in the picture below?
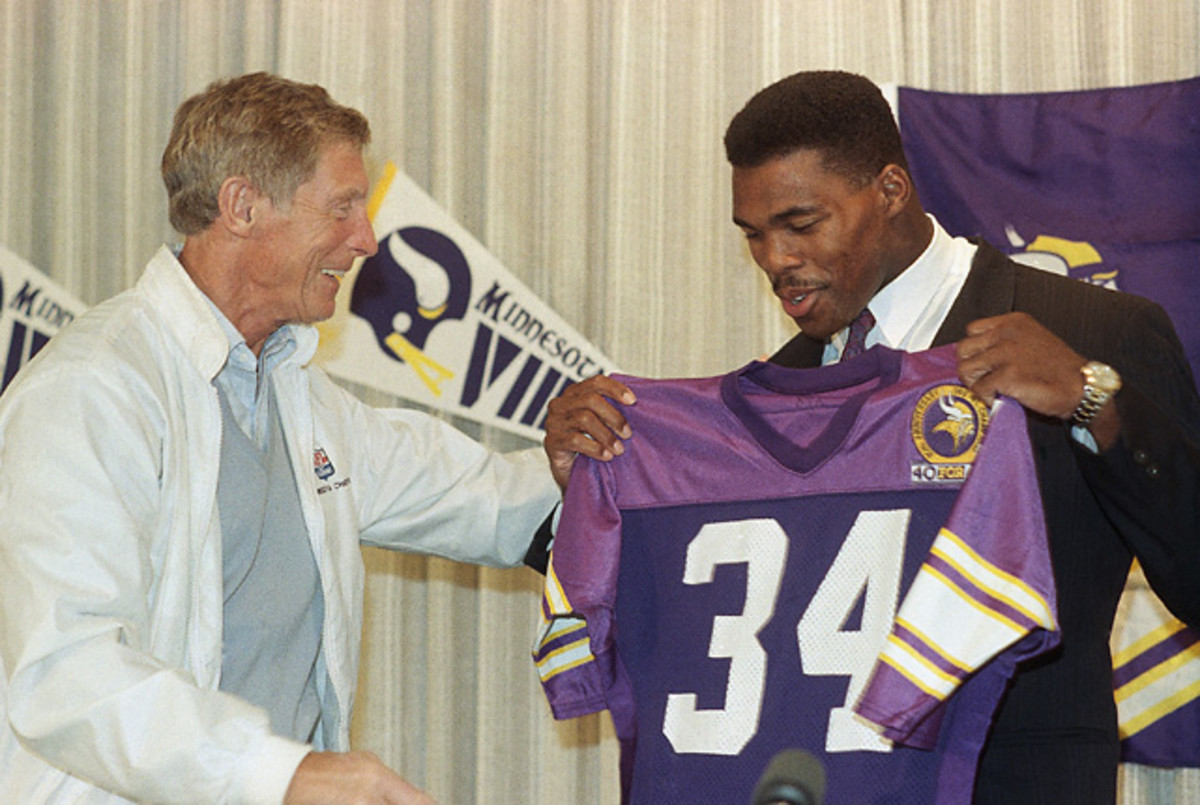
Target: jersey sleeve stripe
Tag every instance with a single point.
(558, 629)
(951, 617)
(564, 644)
(933, 646)
(562, 659)
(553, 592)
(965, 597)
(942, 616)
(992, 579)
(917, 669)
(952, 575)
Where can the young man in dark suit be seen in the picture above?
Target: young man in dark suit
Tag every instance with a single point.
(823, 193)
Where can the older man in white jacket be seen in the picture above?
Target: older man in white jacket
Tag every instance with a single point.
(183, 496)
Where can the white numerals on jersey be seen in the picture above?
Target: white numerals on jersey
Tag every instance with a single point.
(762, 546)
(867, 566)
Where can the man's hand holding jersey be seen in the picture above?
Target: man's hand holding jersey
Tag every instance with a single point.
(583, 420)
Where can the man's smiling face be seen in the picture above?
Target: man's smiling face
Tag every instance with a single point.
(312, 241)
(820, 237)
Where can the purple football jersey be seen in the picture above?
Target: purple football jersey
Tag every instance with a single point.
(830, 559)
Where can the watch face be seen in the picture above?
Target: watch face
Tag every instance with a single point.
(1104, 377)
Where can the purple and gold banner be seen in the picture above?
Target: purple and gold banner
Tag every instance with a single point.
(1100, 185)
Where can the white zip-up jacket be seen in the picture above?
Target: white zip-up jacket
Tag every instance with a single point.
(110, 549)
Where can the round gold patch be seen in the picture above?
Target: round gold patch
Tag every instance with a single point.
(948, 424)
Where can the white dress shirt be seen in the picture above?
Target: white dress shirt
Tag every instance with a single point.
(910, 309)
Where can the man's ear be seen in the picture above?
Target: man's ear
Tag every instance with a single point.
(895, 187)
(239, 203)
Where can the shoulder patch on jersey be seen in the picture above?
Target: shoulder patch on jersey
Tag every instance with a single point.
(947, 428)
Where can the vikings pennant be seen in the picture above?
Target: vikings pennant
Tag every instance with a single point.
(34, 309)
(435, 318)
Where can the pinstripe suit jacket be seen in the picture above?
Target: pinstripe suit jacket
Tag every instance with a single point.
(1054, 740)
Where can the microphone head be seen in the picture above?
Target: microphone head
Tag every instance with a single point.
(793, 777)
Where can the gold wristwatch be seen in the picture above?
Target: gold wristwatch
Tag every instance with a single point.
(1100, 383)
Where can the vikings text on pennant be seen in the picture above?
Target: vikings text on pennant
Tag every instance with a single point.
(34, 309)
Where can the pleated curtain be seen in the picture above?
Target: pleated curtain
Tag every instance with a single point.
(581, 143)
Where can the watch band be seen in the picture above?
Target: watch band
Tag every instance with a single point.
(1100, 383)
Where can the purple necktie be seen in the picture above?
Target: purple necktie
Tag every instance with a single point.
(856, 341)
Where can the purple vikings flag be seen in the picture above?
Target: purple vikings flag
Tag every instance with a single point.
(1100, 185)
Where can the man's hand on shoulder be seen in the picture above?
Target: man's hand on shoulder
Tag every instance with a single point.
(354, 778)
(583, 420)
(1016, 356)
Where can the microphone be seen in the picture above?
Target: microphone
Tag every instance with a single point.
(793, 777)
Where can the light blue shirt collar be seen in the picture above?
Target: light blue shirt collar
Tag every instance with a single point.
(245, 376)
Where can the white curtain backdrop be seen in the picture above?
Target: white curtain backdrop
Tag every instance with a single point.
(581, 142)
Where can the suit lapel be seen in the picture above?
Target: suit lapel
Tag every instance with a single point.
(988, 291)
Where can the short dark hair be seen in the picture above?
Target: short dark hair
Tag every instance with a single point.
(842, 115)
(261, 126)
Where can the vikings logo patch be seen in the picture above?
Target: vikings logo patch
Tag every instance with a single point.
(947, 427)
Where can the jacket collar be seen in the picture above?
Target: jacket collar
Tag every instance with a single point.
(186, 314)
